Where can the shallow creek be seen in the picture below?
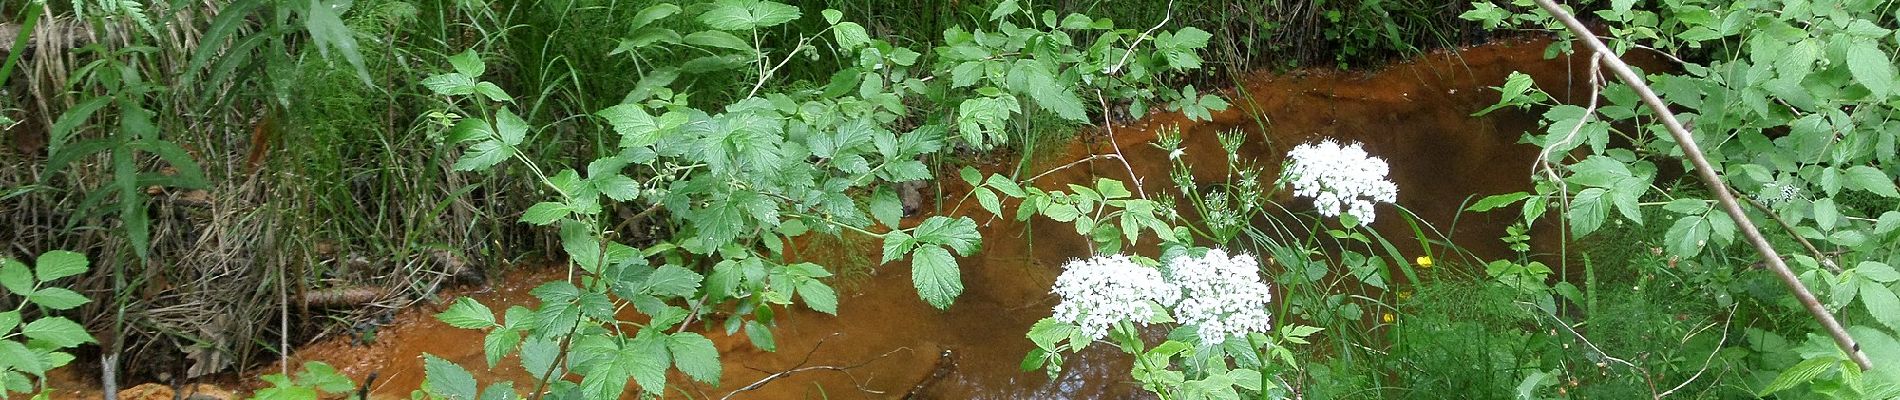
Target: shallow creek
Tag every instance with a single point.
(1415, 114)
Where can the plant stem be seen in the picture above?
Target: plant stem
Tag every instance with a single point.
(1714, 182)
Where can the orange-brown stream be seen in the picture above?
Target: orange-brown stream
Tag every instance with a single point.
(1414, 114)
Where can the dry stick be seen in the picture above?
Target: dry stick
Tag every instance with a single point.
(1714, 182)
(1110, 125)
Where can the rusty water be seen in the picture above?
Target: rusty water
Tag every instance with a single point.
(1415, 114)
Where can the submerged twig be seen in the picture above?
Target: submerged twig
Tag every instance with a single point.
(1708, 175)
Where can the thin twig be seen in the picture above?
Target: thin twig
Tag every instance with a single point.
(1714, 182)
(1110, 126)
(1705, 361)
(800, 367)
(1818, 256)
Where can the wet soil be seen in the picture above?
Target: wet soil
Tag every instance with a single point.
(886, 343)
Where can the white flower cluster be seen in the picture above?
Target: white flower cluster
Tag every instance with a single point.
(1340, 179)
(1222, 296)
(1099, 292)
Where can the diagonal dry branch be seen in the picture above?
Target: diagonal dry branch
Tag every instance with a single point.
(1714, 182)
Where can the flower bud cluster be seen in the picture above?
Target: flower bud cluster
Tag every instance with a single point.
(1221, 296)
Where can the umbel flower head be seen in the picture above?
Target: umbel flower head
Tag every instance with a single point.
(1099, 292)
(1339, 179)
(1221, 296)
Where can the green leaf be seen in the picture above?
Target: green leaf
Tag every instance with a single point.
(740, 15)
(1881, 303)
(958, 234)
(1799, 374)
(467, 313)
(696, 356)
(1872, 180)
(16, 277)
(886, 207)
(1004, 9)
(468, 63)
(447, 380)
(635, 126)
(324, 377)
(510, 127)
(618, 187)
(8, 321)
(537, 355)
(450, 84)
(498, 343)
(59, 264)
(672, 280)
(1871, 67)
(1499, 200)
(818, 296)
(934, 272)
(720, 39)
(1587, 211)
(653, 13)
(22, 358)
(832, 16)
(1038, 81)
(56, 298)
(545, 212)
(850, 35)
(504, 390)
(483, 155)
(492, 92)
(760, 336)
(57, 331)
(989, 201)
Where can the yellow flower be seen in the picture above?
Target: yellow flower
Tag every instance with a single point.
(1405, 295)
(1388, 317)
(1424, 261)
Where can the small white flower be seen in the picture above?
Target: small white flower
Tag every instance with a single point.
(1340, 179)
(1222, 296)
(1099, 292)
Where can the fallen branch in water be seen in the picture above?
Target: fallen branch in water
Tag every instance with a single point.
(1714, 182)
(800, 367)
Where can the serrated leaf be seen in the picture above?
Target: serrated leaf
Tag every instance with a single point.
(492, 92)
(653, 13)
(16, 277)
(672, 280)
(1038, 81)
(324, 378)
(935, 274)
(635, 126)
(498, 343)
(450, 84)
(850, 35)
(989, 201)
(510, 127)
(56, 298)
(467, 313)
(739, 15)
(445, 379)
(760, 336)
(719, 39)
(1004, 9)
(886, 207)
(483, 155)
(1872, 180)
(57, 331)
(1799, 374)
(618, 187)
(832, 16)
(1871, 67)
(696, 356)
(818, 296)
(545, 212)
(468, 63)
(1687, 236)
(504, 390)
(59, 264)
(958, 234)
(538, 354)
(1881, 303)
(8, 321)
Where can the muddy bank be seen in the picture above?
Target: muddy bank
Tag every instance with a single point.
(886, 343)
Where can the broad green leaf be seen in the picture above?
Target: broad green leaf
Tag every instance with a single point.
(886, 207)
(1004, 9)
(719, 39)
(760, 336)
(59, 264)
(896, 243)
(1499, 200)
(1826, 214)
(1687, 236)
(468, 63)
(545, 212)
(8, 321)
(635, 126)
(467, 313)
(618, 187)
(1587, 211)
(1872, 270)
(22, 358)
(832, 16)
(538, 354)
(56, 298)
(740, 15)
(16, 277)
(492, 92)
(1038, 81)
(1872, 180)
(483, 155)
(504, 390)
(1881, 303)
(850, 35)
(450, 84)
(445, 379)
(934, 272)
(510, 127)
(652, 13)
(56, 331)
(324, 377)
(958, 234)
(1871, 67)
(672, 280)
(989, 201)
(498, 343)
(818, 296)
(696, 356)
(1800, 373)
